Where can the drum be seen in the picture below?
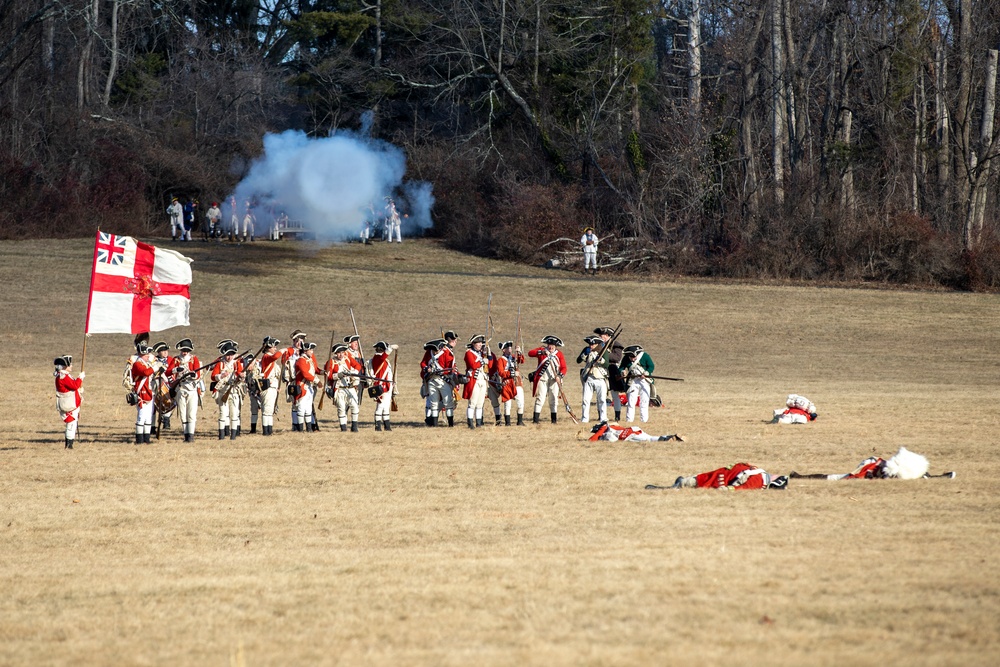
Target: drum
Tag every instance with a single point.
(162, 399)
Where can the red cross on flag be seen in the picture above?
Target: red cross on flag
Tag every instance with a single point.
(136, 287)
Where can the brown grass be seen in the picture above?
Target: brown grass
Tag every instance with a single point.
(509, 545)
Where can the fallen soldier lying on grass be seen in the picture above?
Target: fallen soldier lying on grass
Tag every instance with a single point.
(903, 465)
(614, 432)
(797, 410)
(737, 476)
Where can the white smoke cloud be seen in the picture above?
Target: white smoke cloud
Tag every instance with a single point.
(330, 184)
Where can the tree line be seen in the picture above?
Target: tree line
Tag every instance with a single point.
(821, 139)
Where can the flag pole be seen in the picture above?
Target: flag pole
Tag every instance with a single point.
(86, 324)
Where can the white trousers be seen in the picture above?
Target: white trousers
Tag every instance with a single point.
(590, 257)
(304, 405)
(440, 397)
(229, 412)
(478, 398)
(187, 407)
(347, 401)
(144, 418)
(638, 392)
(547, 387)
(264, 403)
(595, 388)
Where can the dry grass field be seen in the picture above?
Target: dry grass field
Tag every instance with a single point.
(505, 546)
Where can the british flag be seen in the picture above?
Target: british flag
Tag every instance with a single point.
(111, 248)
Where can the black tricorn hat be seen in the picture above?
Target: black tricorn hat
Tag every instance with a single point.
(450, 335)
(142, 349)
(271, 341)
(478, 338)
(553, 340)
(184, 345)
(225, 342)
(308, 346)
(431, 345)
(381, 345)
(604, 331)
(339, 347)
(352, 338)
(633, 349)
(228, 347)
(298, 334)
(507, 343)
(160, 346)
(64, 361)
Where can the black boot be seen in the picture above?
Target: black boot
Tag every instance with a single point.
(554, 416)
(499, 421)
(238, 429)
(479, 422)
(506, 420)
(434, 421)
(520, 420)
(378, 424)
(253, 427)
(354, 427)
(387, 427)
(535, 418)
(145, 438)
(228, 431)
(138, 438)
(233, 433)
(618, 415)
(472, 422)
(451, 420)
(343, 427)
(69, 444)
(429, 421)
(222, 433)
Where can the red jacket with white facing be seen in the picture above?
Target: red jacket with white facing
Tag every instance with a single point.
(541, 353)
(66, 386)
(142, 372)
(380, 369)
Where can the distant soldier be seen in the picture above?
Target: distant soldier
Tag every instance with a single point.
(176, 213)
(142, 371)
(68, 396)
(546, 379)
(213, 222)
(616, 378)
(589, 243)
(393, 222)
(383, 388)
(638, 366)
(228, 387)
(506, 386)
(188, 382)
(234, 219)
(477, 364)
(190, 209)
(737, 476)
(594, 376)
(342, 385)
(248, 222)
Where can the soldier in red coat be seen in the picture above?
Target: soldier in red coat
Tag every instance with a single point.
(305, 378)
(437, 370)
(182, 373)
(229, 388)
(546, 379)
(477, 365)
(505, 383)
(142, 387)
(342, 385)
(382, 389)
(161, 359)
(68, 396)
(736, 476)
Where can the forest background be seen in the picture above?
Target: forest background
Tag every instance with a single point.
(823, 139)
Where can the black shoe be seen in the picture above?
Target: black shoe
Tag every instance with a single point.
(253, 427)
(354, 427)
(228, 431)
(387, 427)
(506, 420)
(378, 425)
(499, 421)
(69, 444)
(536, 418)
(555, 416)
(238, 431)
(343, 427)
(472, 422)
(145, 438)
(520, 420)
(479, 422)
(165, 422)
(232, 434)
(138, 438)
(451, 420)
(434, 421)
(618, 415)
(222, 433)
(428, 421)
(779, 483)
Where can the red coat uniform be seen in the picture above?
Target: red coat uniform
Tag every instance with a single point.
(870, 468)
(721, 477)
(544, 359)
(219, 366)
(175, 368)
(335, 366)
(380, 369)
(505, 382)
(476, 365)
(68, 394)
(270, 365)
(142, 374)
(305, 373)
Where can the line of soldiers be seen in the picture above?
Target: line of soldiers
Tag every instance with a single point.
(160, 385)
(607, 367)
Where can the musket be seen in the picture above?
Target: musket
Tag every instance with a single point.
(360, 349)
(662, 377)
(392, 406)
(562, 395)
(326, 381)
(234, 379)
(605, 346)
(365, 376)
